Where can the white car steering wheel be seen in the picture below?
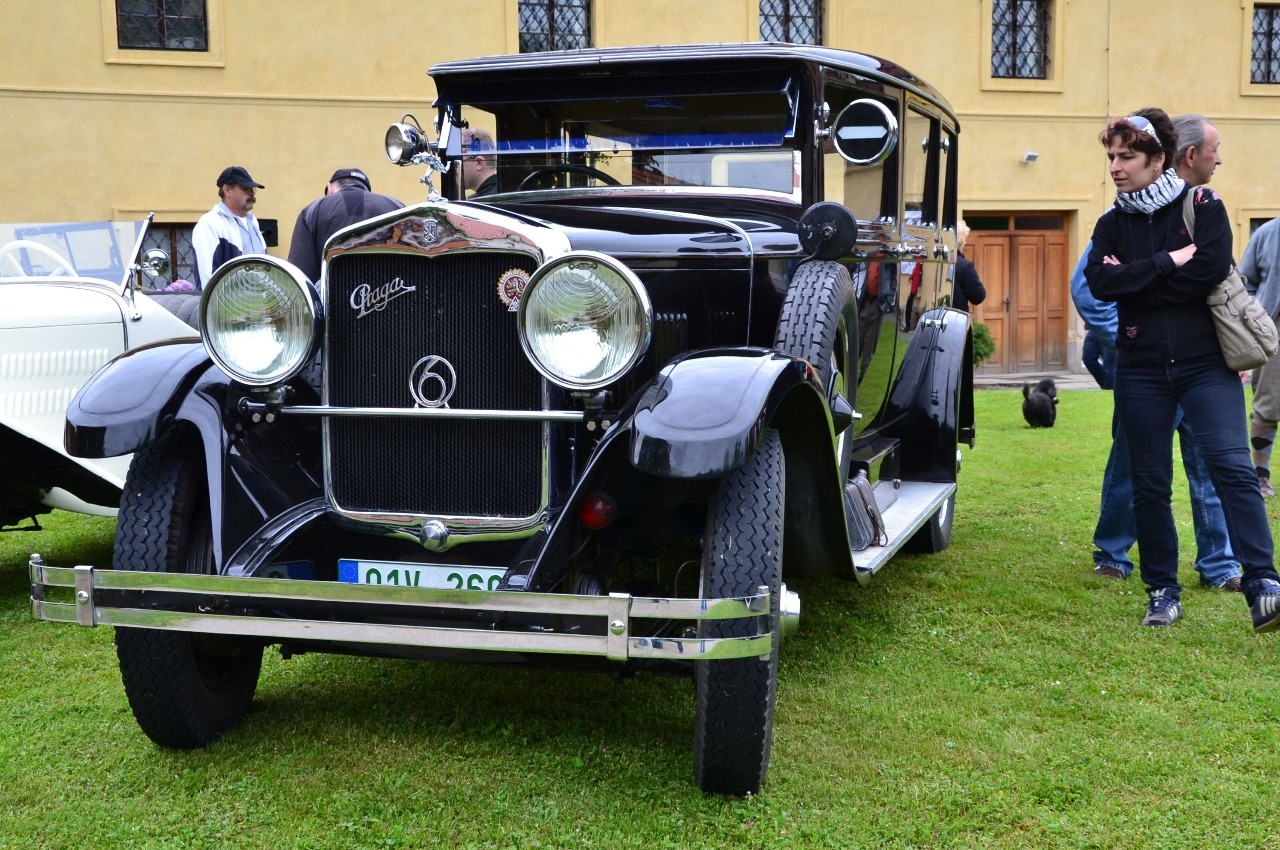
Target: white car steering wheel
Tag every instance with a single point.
(9, 254)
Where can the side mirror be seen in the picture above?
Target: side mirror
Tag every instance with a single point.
(865, 132)
(154, 263)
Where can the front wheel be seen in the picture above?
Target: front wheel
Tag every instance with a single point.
(185, 690)
(742, 550)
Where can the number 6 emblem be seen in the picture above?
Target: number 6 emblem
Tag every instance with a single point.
(432, 381)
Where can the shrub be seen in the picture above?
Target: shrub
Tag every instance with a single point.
(983, 344)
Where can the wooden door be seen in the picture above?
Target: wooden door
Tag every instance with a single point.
(1025, 274)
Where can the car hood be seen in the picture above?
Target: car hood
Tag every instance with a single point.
(672, 226)
(50, 303)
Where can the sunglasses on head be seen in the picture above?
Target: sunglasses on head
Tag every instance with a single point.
(1142, 125)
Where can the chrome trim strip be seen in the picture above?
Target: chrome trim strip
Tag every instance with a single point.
(608, 646)
(617, 610)
(89, 579)
(429, 412)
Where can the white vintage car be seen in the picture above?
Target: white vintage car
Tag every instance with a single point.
(57, 327)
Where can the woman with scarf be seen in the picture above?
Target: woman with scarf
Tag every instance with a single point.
(1168, 354)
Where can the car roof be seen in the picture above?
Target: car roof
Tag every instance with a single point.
(863, 64)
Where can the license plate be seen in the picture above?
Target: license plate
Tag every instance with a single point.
(398, 574)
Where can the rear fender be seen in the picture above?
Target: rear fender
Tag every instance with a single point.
(931, 404)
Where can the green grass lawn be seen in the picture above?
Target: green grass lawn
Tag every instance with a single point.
(995, 695)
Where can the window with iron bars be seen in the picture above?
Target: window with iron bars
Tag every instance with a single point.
(554, 25)
(174, 240)
(1020, 39)
(794, 21)
(162, 25)
(1265, 64)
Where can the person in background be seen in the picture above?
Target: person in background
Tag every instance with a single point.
(1168, 356)
(968, 288)
(1115, 533)
(1197, 154)
(229, 229)
(479, 174)
(348, 198)
(1261, 269)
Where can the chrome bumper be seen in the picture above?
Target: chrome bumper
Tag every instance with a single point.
(207, 594)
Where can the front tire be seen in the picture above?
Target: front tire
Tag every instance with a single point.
(185, 690)
(742, 550)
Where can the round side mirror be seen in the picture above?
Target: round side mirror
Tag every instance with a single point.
(865, 132)
(155, 263)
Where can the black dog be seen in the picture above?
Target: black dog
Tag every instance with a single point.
(1040, 405)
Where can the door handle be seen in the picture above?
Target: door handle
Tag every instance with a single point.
(1005, 302)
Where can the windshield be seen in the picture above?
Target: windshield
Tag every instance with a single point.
(735, 139)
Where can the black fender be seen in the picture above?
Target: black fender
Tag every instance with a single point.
(705, 413)
(930, 407)
(254, 472)
(125, 403)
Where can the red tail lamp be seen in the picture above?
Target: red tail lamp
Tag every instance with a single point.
(597, 511)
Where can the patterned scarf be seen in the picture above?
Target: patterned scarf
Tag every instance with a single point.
(1160, 193)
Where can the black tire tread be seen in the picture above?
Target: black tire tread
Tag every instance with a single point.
(736, 698)
(807, 326)
(169, 697)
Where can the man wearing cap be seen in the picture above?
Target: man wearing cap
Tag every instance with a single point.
(347, 199)
(229, 229)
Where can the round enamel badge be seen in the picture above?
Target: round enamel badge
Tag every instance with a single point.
(511, 286)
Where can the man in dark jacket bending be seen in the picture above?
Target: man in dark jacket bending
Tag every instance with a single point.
(348, 199)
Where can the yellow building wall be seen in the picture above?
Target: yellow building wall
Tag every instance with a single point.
(292, 89)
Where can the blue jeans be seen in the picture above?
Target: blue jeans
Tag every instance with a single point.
(1116, 531)
(1212, 401)
(1100, 362)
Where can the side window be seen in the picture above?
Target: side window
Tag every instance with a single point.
(869, 190)
(554, 25)
(949, 173)
(920, 148)
(162, 25)
(795, 21)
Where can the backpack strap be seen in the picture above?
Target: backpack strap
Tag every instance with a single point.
(1189, 212)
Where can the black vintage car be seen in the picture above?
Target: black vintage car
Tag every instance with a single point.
(690, 343)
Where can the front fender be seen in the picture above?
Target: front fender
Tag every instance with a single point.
(933, 393)
(703, 414)
(124, 404)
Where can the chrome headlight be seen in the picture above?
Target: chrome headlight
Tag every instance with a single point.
(259, 318)
(584, 320)
(402, 142)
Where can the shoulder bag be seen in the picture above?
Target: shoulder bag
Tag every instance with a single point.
(1246, 333)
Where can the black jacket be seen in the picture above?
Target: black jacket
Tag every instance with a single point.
(326, 216)
(1163, 314)
(968, 287)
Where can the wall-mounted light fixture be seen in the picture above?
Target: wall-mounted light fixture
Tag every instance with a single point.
(1029, 157)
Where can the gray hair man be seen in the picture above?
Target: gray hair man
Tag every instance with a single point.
(1196, 156)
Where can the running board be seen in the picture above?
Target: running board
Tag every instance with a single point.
(915, 505)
